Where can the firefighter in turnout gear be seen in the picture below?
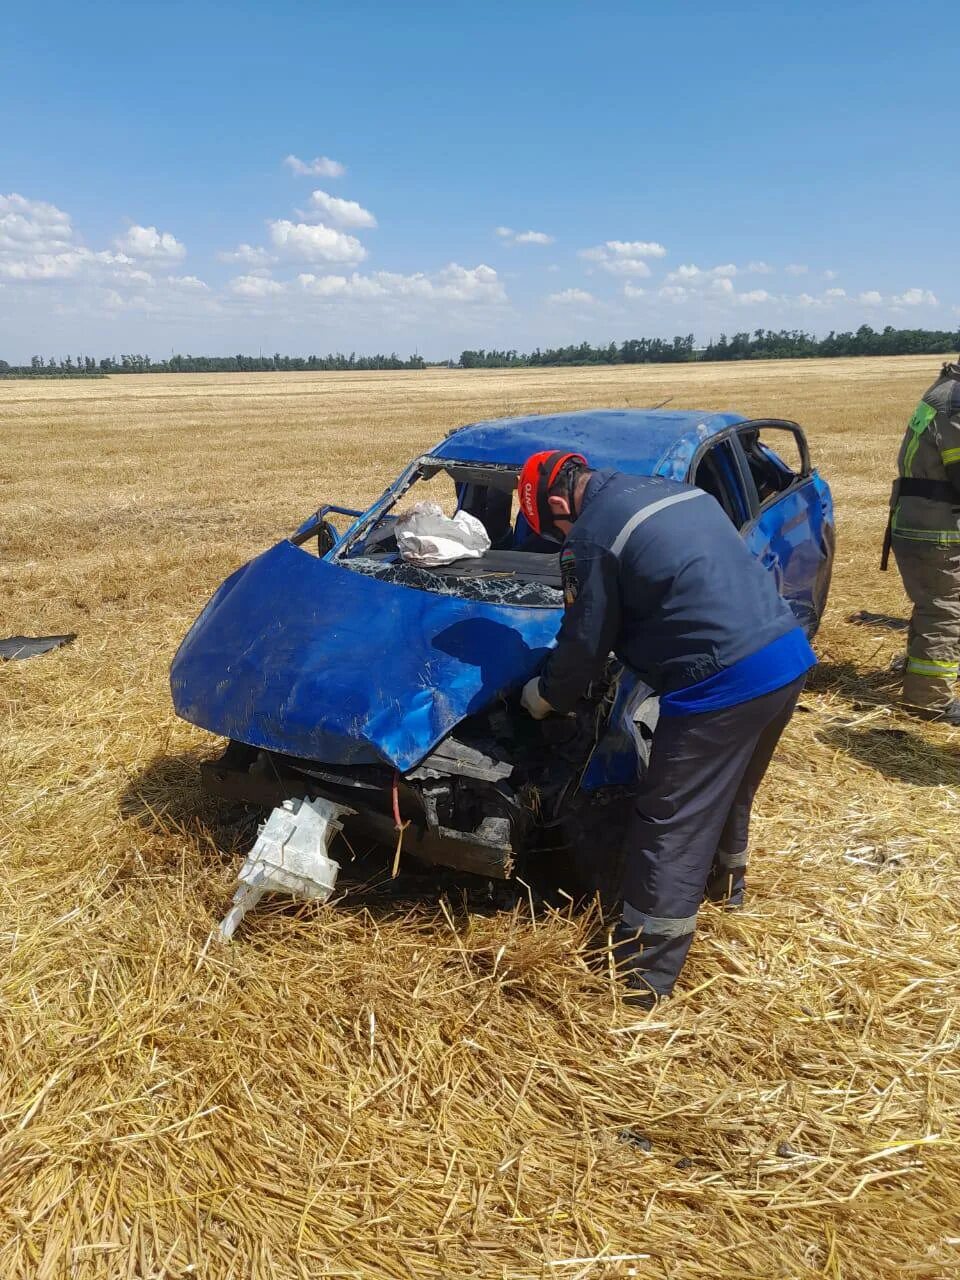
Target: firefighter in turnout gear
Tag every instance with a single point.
(924, 532)
(655, 572)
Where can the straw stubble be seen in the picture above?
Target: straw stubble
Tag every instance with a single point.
(400, 1087)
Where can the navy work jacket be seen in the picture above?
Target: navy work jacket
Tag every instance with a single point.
(655, 572)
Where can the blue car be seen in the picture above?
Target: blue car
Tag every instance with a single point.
(336, 668)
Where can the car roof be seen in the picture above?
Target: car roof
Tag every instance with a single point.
(638, 441)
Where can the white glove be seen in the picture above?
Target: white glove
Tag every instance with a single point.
(533, 701)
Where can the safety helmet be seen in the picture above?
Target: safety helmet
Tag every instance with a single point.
(537, 477)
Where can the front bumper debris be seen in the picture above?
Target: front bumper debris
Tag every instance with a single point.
(290, 856)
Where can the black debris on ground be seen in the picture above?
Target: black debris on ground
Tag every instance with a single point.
(30, 646)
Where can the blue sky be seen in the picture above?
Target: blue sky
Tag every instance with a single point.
(683, 167)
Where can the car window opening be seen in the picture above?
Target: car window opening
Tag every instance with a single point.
(518, 569)
(770, 473)
(717, 474)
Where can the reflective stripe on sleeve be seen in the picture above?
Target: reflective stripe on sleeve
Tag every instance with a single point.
(658, 926)
(950, 456)
(923, 415)
(639, 517)
(931, 667)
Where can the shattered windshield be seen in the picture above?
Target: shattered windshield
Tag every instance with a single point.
(455, 529)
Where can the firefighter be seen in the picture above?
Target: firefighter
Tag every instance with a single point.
(655, 572)
(924, 532)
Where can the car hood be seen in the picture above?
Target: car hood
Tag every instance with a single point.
(302, 656)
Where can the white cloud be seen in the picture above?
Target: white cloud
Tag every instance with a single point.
(329, 286)
(834, 295)
(758, 269)
(345, 213)
(114, 301)
(354, 286)
(690, 272)
(255, 287)
(247, 255)
(315, 242)
(468, 284)
(192, 284)
(568, 297)
(624, 257)
(909, 298)
(807, 300)
(318, 167)
(915, 298)
(38, 245)
(830, 275)
(633, 291)
(148, 242)
(686, 271)
(689, 283)
(67, 265)
(796, 269)
(33, 225)
(45, 266)
(636, 248)
(627, 267)
(454, 283)
(523, 237)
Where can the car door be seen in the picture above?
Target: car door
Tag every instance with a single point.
(791, 530)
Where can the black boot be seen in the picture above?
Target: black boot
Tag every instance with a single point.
(637, 990)
(727, 886)
(950, 714)
(638, 994)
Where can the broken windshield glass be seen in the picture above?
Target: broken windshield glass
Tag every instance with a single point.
(494, 587)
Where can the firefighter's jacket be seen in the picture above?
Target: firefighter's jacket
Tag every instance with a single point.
(655, 572)
(926, 497)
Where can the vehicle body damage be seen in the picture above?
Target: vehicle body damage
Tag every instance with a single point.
(337, 670)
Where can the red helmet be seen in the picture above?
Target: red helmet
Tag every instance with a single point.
(537, 476)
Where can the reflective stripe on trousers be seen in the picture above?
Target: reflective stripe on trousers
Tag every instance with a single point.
(728, 861)
(692, 817)
(931, 578)
(658, 926)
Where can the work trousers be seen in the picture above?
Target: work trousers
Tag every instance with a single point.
(689, 836)
(931, 578)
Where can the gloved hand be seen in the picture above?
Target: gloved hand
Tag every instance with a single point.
(533, 701)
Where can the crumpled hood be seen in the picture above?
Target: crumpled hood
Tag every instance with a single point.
(301, 656)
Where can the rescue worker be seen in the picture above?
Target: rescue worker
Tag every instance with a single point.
(924, 531)
(655, 572)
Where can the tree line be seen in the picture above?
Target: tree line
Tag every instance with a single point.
(761, 344)
(87, 366)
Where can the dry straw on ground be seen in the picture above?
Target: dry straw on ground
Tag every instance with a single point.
(400, 1088)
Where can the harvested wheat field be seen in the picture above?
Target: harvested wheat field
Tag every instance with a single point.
(396, 1086)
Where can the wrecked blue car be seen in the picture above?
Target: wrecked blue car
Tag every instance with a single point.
(337, 669)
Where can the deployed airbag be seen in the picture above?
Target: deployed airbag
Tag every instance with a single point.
(426, 537)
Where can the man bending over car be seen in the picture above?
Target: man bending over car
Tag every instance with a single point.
(654, 572)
